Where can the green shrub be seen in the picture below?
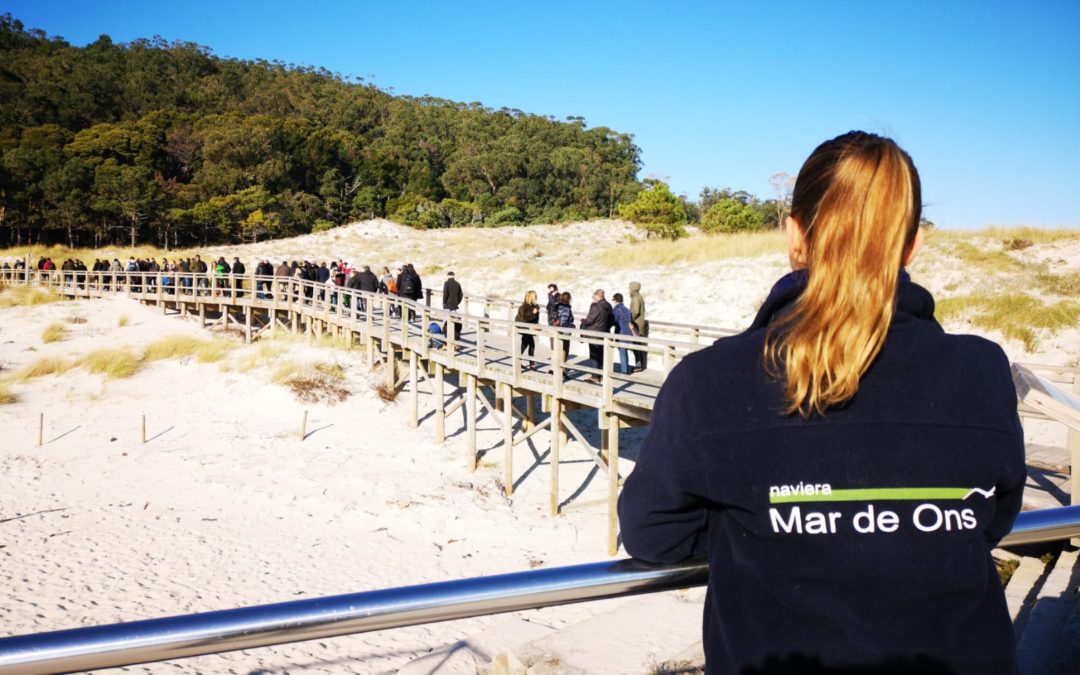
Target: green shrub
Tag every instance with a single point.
(731, 215)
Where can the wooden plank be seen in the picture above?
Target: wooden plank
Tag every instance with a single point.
(1046, 397)
(612, 434)
(440, 405)
(556, 443)
(470, 420)
(508, 440)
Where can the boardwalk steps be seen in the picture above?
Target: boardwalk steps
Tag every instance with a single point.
(660, 634)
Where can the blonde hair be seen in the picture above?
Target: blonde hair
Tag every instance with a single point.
(530, 297)
(857, 201)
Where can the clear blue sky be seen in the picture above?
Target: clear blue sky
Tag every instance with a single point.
(984, 95)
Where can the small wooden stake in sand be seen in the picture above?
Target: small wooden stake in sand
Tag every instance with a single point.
(144, 429)
(303, 427)
(40, 428)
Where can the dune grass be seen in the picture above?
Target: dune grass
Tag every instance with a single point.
(312, 383)
(54, 332)
(1004, 236)
(112, 362)
(259, 356)
(1017, 316)
(994, 260)
(696, 249)
(181, 346)
(7, 397)
(122, 321)
(26, 296)
(1066, 285)
(46, 365)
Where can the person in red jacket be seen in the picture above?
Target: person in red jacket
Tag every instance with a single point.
(845, 464)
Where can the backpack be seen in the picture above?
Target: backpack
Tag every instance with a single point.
(391, 286)
(408, 286)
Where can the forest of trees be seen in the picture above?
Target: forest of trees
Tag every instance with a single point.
(166, 144)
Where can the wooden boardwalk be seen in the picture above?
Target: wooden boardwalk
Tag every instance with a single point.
(477, 364)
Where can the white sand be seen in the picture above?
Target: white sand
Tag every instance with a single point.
(224, 506)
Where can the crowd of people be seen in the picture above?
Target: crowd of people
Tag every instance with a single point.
(602, 317)
(195, 276)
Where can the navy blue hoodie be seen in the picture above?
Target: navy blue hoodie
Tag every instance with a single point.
(857, 538)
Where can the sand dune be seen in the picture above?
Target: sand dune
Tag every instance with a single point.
(225, 506)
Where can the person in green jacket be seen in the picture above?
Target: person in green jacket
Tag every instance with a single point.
(637, 317)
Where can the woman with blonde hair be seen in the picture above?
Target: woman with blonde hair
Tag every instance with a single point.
(528, 312)
(845, 464)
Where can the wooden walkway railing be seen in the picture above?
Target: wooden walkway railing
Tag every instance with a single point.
(476, 363)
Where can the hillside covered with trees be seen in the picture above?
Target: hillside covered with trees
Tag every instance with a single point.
(167, 144)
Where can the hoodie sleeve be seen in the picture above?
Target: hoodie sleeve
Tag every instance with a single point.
(663, 512)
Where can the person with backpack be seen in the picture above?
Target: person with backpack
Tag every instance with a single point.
(410, 287)
(564, 318)
(624, 325)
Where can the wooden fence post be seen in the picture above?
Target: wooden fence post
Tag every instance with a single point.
(556, 443)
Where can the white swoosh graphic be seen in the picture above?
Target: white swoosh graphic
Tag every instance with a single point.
(985, 493)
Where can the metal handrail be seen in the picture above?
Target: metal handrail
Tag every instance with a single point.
(176, 637)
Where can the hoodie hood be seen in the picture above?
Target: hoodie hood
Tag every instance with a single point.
(913, 301)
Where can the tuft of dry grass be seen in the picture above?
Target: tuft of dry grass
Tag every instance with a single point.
(26, 296)
(312, 383)
(284, 370)
(385, 391)
(1006, 569)
(46, 365)
(181, 346)
(76, 319)
(54, 332)
(1003, 235)
(990, 260)
(260, 356)
(696, 249)
(112, 362)
(1033, 235)
(7, 397)
(1066, 285)
(1016, 315)
(122, 321)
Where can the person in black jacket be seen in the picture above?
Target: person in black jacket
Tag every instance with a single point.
(238, 271)
(369, 283)
(552, 308)
(409, 286)
(845, 465)
(452, 295)
(598, 319)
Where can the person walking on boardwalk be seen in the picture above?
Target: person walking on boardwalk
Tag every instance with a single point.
(845, 464)
(452, 295)
(564, 318)
(528, 312)
(553, 297)
(238, 271)
(623, 326)
(369, 283)
(637, 315)
(281, 278)
(410, 286)
(598, 319)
